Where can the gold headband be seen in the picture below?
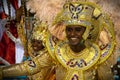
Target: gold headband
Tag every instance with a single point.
(79, 13)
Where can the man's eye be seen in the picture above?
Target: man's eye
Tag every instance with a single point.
(78, 29)
(39, 42)
(69, 29)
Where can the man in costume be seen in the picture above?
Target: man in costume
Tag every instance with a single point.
(74, 46)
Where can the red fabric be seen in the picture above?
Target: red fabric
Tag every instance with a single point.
(7, 46)
(2, 15)
(15, 4)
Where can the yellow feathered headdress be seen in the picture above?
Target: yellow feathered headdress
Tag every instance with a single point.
(47, 10)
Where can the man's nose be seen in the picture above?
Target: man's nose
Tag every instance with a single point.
(73, 32)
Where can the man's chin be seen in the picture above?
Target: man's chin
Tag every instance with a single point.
(74, 43)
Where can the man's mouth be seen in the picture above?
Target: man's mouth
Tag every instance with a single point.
(74, 39)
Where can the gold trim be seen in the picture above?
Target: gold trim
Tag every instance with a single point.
(50, 48)
(90, 58)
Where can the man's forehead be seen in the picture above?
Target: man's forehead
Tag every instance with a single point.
(75, 26)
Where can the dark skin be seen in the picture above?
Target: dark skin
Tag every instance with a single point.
(37, 45)
(74, 36)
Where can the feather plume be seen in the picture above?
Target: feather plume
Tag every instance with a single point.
(112, 8)
(45, 10)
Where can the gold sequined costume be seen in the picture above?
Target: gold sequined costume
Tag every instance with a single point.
(91, 64)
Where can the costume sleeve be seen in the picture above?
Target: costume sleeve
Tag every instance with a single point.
(28, 67)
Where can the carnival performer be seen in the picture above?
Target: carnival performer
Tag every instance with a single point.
(74, 46)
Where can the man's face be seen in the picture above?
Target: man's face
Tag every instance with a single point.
(37, 45)
(74, 34)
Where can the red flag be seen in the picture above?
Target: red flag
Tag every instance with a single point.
(2, 13)
(7, 46)
(14, 4)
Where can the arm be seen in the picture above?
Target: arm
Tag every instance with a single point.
(28, 67)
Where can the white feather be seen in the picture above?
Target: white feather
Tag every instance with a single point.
(46, 10)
